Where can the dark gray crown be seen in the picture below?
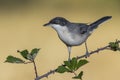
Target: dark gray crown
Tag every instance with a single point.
(59, 20)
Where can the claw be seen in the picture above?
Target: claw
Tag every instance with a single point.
(68, 59)
(87, 54)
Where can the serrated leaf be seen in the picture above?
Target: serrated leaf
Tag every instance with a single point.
(30, 57)
(12, 59)
(79, 76)
(114, 45)
(68, 64)
(76, 77)
(62, 69)
(81, 63)
(34, 52)
(74, 63)
(24, 53)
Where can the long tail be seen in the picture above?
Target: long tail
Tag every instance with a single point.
(95, 24)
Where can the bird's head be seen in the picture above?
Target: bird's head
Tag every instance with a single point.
(57, 21)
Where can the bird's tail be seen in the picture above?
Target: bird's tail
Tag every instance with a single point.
(95, 24)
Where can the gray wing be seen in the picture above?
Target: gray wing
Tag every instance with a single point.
(78, 28)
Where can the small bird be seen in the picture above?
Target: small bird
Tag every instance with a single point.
(74, 34)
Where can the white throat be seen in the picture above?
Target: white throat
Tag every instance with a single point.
(59, 28)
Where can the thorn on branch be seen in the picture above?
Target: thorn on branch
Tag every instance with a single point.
(98, 50)
(18, 51)
(52, 71)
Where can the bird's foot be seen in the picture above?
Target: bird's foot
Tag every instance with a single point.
(69, 59)
(87, 54)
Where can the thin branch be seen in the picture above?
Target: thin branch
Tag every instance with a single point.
(46, 75)
(78, 57)
(36, 74)
(92, 52)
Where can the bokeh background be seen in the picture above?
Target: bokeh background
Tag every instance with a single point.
(21, 27)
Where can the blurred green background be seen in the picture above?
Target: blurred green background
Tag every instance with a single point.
(21, 27)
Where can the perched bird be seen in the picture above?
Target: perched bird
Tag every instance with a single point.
(74, 34)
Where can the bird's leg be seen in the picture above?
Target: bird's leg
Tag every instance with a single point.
(69, 51)
(87, 53)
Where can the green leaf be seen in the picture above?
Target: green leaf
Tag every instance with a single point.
(34, 52)
(114, 46)
(79, 76)
(24, 53)
(71, 64)
(62, 69)
(68, 64)
(81, 63)
(30, 57)
(12, 59)
(74, 63)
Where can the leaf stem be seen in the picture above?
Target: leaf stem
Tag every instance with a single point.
(74, 73)
(27, 62)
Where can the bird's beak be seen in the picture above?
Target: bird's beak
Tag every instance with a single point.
(47, 24)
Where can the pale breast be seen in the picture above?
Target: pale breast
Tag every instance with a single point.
(71, 38)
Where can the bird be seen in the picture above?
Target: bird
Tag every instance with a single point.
(74, 34)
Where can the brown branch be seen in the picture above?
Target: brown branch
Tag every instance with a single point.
(96, 51)
(46, 75)
(78, 57)
(36, 74)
